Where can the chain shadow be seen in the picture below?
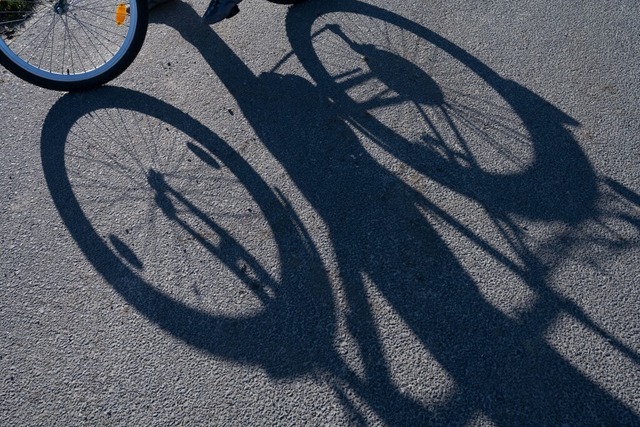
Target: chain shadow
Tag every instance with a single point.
(379, 233)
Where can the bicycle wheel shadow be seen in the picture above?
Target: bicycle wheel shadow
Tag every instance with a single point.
(95, 178)
(383, 234)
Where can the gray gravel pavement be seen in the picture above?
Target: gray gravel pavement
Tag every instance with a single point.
(337, 213)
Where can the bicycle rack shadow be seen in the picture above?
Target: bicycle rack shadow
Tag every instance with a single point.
(501, 366)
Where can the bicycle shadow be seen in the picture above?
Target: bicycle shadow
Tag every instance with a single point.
(381, 237)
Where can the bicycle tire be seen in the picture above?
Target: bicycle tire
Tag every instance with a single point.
(71, 45)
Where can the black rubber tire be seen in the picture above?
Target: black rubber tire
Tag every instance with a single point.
(109, 74)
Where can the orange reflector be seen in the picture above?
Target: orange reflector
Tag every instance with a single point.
(121, 13)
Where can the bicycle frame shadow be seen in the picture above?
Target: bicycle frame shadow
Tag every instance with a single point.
(501, 367)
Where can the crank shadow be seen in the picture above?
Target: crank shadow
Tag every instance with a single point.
(381, 230)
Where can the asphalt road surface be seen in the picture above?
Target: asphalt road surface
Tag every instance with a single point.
(337, 213)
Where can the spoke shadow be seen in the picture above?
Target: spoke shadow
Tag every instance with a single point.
(383, 230)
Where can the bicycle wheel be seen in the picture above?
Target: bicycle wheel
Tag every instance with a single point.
(70, 45)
